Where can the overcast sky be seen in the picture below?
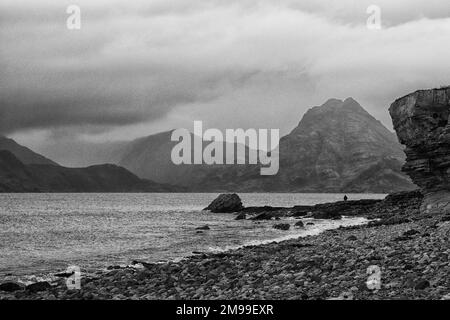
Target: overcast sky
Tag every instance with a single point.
(139, 67)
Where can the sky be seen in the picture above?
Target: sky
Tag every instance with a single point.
(139, 67)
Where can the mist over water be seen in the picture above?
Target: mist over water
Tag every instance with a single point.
(45, 233)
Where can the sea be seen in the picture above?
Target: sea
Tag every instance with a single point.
(42, 234)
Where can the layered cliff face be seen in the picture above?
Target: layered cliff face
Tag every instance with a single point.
(421, 120)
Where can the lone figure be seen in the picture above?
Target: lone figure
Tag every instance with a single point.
(345, 198)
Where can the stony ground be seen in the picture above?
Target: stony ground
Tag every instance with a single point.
(413, 257)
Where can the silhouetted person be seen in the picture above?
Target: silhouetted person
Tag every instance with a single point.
(345, 198)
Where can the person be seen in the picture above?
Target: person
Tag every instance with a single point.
(345, 198)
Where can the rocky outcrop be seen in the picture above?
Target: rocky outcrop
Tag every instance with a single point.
(421, 120)
(226, 203)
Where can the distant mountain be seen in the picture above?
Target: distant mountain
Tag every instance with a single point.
(15, 176)
(337, 147)
(150, 157)
(24, 154)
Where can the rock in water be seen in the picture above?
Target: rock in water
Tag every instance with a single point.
(282, 226)
(240, 216)
(299, 224)
(226, 203)
(205, 227)
(421, 120)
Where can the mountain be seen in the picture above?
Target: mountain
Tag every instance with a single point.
(15, 176)
(337, 147)
(150, 157)
(24, 154)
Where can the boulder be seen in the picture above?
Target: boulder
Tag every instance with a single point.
(39, 286)
(282, 226)
(299, 224)
(421, 120)
(11, 286)
(225, 203)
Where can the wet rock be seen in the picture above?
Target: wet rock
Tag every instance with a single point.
(205, 227)
(226, 203)
(11, 286)
(263, 216)
(410, 233)
(240, 216)
(113, 267)
(38, 286)
(422, 284)
(299, 224)
(64, 274)
(282, 226)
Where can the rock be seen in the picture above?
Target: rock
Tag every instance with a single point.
(422, 284)
(263, 216)
(205, 227)
(113, 267)
(11, 286)
(282, 226)
(225, 203)
(240, 216)
(352, 238)
(299, 224)
(410, 233)
(38, 286)
(64, 274)
(310, 223)
(421, 120)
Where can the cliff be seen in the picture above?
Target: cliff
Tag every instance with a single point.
(421, 120)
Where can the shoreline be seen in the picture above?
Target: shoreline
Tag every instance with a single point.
(410, 249)
(30, 278)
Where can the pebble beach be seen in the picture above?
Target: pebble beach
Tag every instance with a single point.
(412, 256)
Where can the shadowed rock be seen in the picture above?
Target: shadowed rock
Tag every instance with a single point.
(282, 226)
(226, 203)
(11, 286)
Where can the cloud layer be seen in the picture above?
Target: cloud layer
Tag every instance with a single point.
(137, 67)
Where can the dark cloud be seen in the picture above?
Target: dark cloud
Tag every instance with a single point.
(248, 63)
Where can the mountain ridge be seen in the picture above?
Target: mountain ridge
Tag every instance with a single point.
(331, 149)
(24, 154)
(15, 176)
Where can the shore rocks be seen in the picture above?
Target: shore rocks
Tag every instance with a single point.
(282, 226)
(240, 216)
(421, 120)
(299, 224)
(226, 203)
(38, 286)
(11, 286)
(329, 265)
